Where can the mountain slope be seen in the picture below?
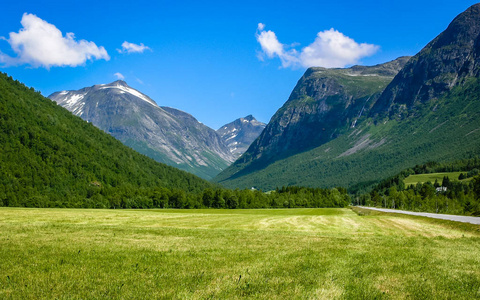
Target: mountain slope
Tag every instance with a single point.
(239, 134)
(324, 104)
(447, 61)
(429, 111)
(164, 134)
(50, 156)
(371, 152)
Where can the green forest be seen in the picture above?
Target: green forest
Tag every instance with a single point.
(51, 158)
(450, 195)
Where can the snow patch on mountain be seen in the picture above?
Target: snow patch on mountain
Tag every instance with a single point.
(125, 89)
(239, 134)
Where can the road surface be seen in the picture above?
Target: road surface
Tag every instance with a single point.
(464, 219)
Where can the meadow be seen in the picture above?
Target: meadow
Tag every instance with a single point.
(431, 177)
(264, 254)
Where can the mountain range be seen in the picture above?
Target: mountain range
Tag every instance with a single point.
(346, 127)
(163, 133)
(355, 126)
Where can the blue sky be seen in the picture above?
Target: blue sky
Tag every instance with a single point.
(211, 59)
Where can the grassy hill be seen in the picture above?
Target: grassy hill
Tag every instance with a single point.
(49, 157)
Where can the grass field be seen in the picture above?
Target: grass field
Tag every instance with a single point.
(422, 178)
(265, 254)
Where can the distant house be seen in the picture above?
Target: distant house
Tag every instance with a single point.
(441, 189)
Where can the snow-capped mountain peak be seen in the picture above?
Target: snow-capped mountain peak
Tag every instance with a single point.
(239, 134)
(165, 134)
(122, 87)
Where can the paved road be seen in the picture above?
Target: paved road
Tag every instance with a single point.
(464, 219)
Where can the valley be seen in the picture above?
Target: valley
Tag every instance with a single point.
(109, 193)
(364, 183)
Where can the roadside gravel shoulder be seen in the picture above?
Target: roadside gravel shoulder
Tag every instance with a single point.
(464, 219)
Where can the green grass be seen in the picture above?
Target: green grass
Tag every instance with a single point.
(265, 254)
(423, 178)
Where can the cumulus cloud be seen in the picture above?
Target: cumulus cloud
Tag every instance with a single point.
(41, 44)
(331, 49)
(133, 48)
(271, 47)
(119, 76)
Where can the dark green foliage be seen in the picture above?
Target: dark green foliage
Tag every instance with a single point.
(453, 197)
(50, 158)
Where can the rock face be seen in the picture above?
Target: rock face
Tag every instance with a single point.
(239, 134)
(324, 104)
(164, 134)
(444, 63)
(356, 126)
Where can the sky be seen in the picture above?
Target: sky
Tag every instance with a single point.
(217, 60)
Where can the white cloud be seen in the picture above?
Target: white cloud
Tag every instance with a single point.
(41, 44)
(133, 48)
(331, 49)
(119, 76)
(272, 47)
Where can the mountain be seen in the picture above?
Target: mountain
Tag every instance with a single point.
(239, 134)
(165, 134)
(446, 62)
(324, 104)
(332, 136)
(50, 157)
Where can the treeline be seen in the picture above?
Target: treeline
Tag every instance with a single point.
(449, 196)
(161, 197)
(457, 166)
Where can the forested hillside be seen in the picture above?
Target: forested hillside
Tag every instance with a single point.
(49, 157)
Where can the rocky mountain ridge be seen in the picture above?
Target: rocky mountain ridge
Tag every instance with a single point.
(164, 134)
(324, 104)
(239, 134)
(442, 64)
(339, 129)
